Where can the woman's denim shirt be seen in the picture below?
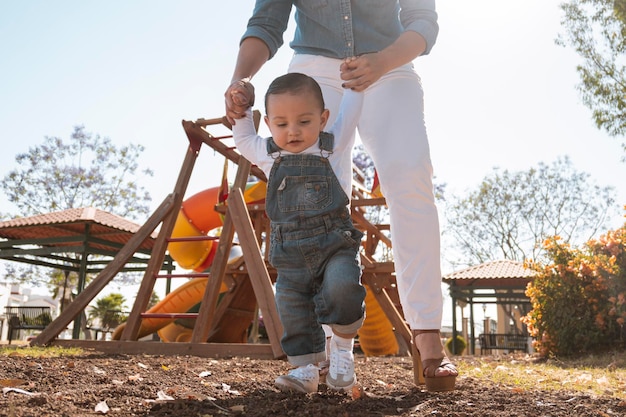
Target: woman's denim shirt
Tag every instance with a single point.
(342, 28)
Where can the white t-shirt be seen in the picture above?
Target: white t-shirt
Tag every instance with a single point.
(254, 147)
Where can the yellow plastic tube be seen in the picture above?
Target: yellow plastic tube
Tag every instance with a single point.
(376, 336)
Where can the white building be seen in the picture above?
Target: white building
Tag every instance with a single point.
(13, 295)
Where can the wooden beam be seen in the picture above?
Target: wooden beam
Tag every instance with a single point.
(259, 276)
(394, 316)
(206, 314)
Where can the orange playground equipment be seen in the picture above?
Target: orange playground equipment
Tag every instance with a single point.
(230, 283)
(198, 218)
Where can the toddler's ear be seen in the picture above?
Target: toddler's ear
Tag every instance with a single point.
(324, 119)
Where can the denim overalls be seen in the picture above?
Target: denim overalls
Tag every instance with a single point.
(315, 250)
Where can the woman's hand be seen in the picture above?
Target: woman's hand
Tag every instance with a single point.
(237, 98)
(360, 72)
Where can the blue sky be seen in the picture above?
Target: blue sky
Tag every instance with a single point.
(499, 92)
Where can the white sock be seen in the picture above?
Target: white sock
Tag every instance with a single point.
(344, 343)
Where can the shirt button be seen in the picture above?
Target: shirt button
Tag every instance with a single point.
(345, 17)
(349, 44)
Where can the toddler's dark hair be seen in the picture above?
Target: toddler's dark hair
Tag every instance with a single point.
(295, 83)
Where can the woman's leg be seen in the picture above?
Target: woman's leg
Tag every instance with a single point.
(392, 130)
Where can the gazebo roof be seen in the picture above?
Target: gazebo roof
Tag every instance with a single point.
(71, 223)
(47, 239)
(495, 274)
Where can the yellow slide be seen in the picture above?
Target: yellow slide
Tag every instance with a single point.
(196, 218)
(376, 336)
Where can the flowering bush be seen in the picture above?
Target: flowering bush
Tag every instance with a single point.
(579, 299)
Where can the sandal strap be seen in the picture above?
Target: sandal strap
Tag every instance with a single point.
(431, 366)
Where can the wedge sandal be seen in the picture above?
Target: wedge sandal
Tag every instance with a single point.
(433, 357)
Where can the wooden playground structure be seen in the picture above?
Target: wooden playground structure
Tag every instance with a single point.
(235, 290)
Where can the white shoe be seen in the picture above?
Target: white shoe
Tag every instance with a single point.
(303, 379)
(341, 375)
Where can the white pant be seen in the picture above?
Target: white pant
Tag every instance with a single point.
(393, 132)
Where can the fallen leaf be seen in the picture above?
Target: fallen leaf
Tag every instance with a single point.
(162, 396)
(98, 371)
(584, 378)
(190, 395)
(11, 382)
(226, 388)
(602, 381)
(101, 407)
(19, 391)
(357, 392)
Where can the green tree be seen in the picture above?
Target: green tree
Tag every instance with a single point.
(88, 170)
(596, 30)
(109, 311)
(512, 213)
(154, 300)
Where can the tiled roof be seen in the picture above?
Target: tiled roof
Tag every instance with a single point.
(71, 216)
(492, 270)
(70, 224)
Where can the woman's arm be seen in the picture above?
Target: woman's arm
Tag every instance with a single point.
(263, 37)
(253, 54)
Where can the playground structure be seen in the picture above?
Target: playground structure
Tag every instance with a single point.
(229, 283)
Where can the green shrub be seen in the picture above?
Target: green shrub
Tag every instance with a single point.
(460, 345)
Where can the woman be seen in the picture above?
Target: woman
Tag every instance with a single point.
(385, 36)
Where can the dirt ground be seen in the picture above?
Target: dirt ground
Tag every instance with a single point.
(132, 385)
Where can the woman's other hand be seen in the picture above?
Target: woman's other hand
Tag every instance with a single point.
(360, 72)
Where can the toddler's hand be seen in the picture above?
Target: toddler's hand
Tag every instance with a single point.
(238, 97)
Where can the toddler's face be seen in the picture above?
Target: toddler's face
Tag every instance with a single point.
(295, 120)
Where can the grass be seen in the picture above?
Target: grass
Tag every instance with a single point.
(39, 351)
(601, 374)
